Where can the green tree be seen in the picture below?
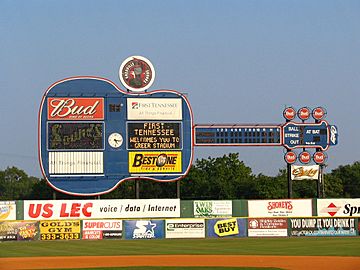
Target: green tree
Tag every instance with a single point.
(16, 184)
(350, 177)
(272, 187)
(333, 186)
(219, 178)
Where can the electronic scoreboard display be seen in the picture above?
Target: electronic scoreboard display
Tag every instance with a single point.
(77, 136)
(154, 135)
(238, 135)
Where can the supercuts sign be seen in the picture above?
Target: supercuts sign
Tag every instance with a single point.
(92, 135)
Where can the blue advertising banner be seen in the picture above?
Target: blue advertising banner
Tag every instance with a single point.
(323, 227)
(226, 228)
(144, 229)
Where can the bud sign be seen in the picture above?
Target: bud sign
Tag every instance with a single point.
(75, 108)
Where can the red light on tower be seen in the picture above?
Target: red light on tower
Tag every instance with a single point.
(304, 157)
(289, 113)
(319, 157)
(318, 113)
(304, 113)
(290, 157)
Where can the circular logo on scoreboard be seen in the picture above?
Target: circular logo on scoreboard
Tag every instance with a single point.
(290, 157)
(304, 113)
(137, 73)
(319, 157)
(304, 157)
(318, 113)
(289, 113)
(161, 160)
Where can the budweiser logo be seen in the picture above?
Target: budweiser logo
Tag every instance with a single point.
(75, 109)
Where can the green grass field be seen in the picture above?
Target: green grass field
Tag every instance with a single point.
(243, 246)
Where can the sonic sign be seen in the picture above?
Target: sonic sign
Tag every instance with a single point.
(93, 135)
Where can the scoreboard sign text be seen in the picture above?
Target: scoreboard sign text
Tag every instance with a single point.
(154, 135)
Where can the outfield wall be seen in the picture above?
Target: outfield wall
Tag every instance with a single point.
(172, 218)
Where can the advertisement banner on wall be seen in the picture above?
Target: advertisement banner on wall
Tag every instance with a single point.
(185, 228)
(7, 210)
(280, 208)
(225, 228)
(60, 230)
(102, 229)
(338, 207)
(323, 227)
(212, 209)
(99, 209)
(267, 227)
(154, 108)
(305, 172)
(144, 229)
(19, 230)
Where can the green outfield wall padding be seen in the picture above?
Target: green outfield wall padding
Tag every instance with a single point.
(19, 210)
(186, 209)
(239, 208)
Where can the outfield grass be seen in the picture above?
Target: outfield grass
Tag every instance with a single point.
(243, 246)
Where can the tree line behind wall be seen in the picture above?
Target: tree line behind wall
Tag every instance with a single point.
(219, 178)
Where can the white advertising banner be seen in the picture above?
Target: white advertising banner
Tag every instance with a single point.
(212, 208)
(267, 227)
(338, 207)
(185, 228)
(76, 163)
(154, 108)
(309, 172)
(7, 210)
(280, 208)
(92, 209)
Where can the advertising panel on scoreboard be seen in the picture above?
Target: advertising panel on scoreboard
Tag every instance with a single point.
(65, 108)
(155, 162)
(154, 109)
(154, 135)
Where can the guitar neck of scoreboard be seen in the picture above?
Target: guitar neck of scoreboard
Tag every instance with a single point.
(237, 135)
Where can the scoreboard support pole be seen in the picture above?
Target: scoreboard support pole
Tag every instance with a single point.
(178, 189)
(289, 181)
(137, 189)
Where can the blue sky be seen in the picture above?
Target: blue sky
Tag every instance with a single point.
(238, 61)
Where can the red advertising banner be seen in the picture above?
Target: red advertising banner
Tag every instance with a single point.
(63, 108)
